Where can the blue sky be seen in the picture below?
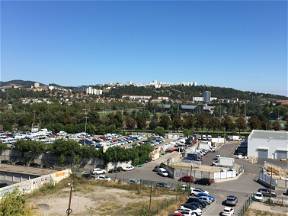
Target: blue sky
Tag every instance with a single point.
(223, 43)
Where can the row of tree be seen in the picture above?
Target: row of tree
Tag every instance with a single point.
(71, 152)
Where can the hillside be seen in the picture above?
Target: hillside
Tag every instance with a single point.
(174, 92)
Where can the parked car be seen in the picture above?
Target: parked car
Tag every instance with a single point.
(162, 185)
(207, 199)
(134, 181)
(194, 208)
(267, 192)
(197, 200)
(239, 156)
(6, 162)
(204, 181)
(36, 165)
(228, 211)
(98, 171)
(258, 197)
(20, 163)
(231, 200)
(184, 212)
(196, 191)
(128, 168)
(207, 195)
(162, 172)
(103, 177)
(155, 169)
(3, 185)
(186, 179)
(196, 204)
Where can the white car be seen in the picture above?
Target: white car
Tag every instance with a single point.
(162, 172)
(239, 156)
(186, 212)
(196, 211)
(258, 196)
(228, 211)
(98, 171)
(103, 177)
(128, 168)
(196, 191)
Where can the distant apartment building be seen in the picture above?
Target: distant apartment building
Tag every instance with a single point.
(163, 98)
(140, 98)
(93, 91)
(207, 96)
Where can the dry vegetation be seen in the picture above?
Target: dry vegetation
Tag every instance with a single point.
(102, 198)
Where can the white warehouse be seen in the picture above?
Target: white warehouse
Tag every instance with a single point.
(268, 144)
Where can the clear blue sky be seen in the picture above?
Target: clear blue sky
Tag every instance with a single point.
(223, 43)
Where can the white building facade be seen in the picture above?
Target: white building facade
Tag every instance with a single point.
(268, 144)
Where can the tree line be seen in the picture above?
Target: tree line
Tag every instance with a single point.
(71, 152)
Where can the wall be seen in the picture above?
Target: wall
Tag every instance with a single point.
(272, 145)
(33, 184)
(111, 165)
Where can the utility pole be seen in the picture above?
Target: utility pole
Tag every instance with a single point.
(85, 127)
(69, 210)
(270, 191)
(189, 189)
(150, 200)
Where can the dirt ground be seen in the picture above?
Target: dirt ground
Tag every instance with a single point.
(92, 200)
(261, 209)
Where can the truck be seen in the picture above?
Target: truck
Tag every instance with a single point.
(225, 162)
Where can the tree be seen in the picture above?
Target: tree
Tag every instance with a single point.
(3, 147)
(160, 131)
(177, 121)
(254, 122)
(241, 123)
(153, 123)
(141, 120)
(228, 123)
(187, 132)
(276, 125)
(30, 150)
(202, 120)
(130, 122)
(13, 204)
(214, 123)
(165, 121)
(189, 121)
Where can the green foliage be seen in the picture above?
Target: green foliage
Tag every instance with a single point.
(159, 131)
(30, 149)
(187, 132)
(13, 204)
(137, 154)
(3, 147)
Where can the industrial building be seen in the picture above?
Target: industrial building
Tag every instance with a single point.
(268, 144)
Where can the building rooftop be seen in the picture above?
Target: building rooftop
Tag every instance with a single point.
(266, 134)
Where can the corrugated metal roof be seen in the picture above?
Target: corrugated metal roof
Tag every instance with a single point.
(263, 134)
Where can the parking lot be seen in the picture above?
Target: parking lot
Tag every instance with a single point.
(241, 187)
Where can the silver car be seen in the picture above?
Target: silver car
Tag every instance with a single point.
(231, 200)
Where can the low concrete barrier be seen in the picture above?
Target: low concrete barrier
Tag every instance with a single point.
(36, 183)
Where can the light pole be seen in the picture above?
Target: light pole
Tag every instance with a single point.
(69, 210)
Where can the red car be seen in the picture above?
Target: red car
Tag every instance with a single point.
(187, 179)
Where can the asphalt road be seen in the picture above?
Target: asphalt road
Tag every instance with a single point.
(241, 187)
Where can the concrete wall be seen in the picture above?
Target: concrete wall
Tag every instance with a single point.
(33, 184)
(111, 166)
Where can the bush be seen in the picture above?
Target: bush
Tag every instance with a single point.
(13, 204)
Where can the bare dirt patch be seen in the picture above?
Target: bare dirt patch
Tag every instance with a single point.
(92, 200)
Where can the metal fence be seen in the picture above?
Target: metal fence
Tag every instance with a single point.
(245, 206)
